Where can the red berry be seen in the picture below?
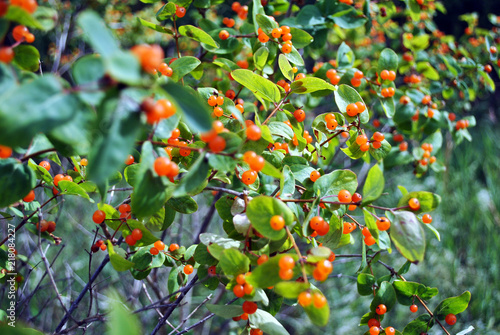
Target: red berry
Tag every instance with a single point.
(99, 216)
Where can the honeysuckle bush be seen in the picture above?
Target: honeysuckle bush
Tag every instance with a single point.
(277, 110)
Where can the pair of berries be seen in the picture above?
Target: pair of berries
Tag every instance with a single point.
(255, 161)
(388, 75)
(135, 236)
(369, 239)
(333, 76)
(157, 247)
(150, 56)
(48, 226)
(163, 166)
(242, 288)
(356, 79)
(286, 265)
(98, 245)
(157, 111)
(21, 33)
(331, 121)
(165, 70)
(305, 299)
(319, 225)
(322, 270)
(388, 92)
(355, 108)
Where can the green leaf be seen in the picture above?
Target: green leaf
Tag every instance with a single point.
(166, 12)
(332, 183)
(309, 85)
(40, 172)
(290, 289)
(346, 95)
(371, 223)
(97, 34)
(407, 235)
(301, 38)
(406, 291)
(225, 311)
(285, 67)
(428, 201)
(196, 112)
(197, 34)
(110, 149)
(453, 305)
(417, 43)
(193, 179)
(348, 17)
(87, 71)
(266, 23)
(259, 86)
(183, 66)
(381, 152)
(420, 325)
(426, 69)
(295, 57)
(124, 67)
(267, 323)
(118, 262)
(489, 83)
(233, 262)
(39, 105)
(27, 57)
(21, 16)
(16, 179)
(261, 209)
(267, 274)
(374, 185)
(385, 295)
(365, 283)
(318, 316)
(345, 57)
(388, 61)
(156, 27)
(121, 320)
(149, 190)
(71, 188)
(260, 57)
(388, 106)
(185, 204)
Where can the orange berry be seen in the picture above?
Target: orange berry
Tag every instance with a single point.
(262, 259)
(374, 330)
(414, 204)
(414, 308)
(249, 307)
(173, 247)
(286, 49)
(384, 74)
(300, 76)
(355, 82)
(366, 232)
(352, 110)
(314, 176)
(361, 139)
(180, 12)
(130, 160)
(426, 100)
(30, 197)
(450, 319)
(253, 133)
(426, 218)
(263, 38)
(19, 32)
(319, 300)
(316, 222)
(244, 316)
(223, 35)
(217, 144)
(286, 274)
(249, 177)
(381, 309)
(130, 240)
(324, 266)
(277, 222)
(383, 224)
(488, 68)
(159, 245)
(286, 262)
(376, 144)
(6, 54)
(218, 111)
(299, 115)
(392, 75)
(370, 240)
(403, 146)
(212, 271)
(358, 75)
(239, 291)
(276, 33)
(136, 234)
(304, 299)
(378, 136)
(319, 276)
(344, 196)
(98, 216)
(162, 166)
(212, 100)
(188, 269)
(335, 79)
(332, 257)
(257, 163)
(361, 107)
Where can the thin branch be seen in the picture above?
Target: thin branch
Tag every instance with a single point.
(38, 153)
(191, 314)
(297, 250)
(225, 190)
